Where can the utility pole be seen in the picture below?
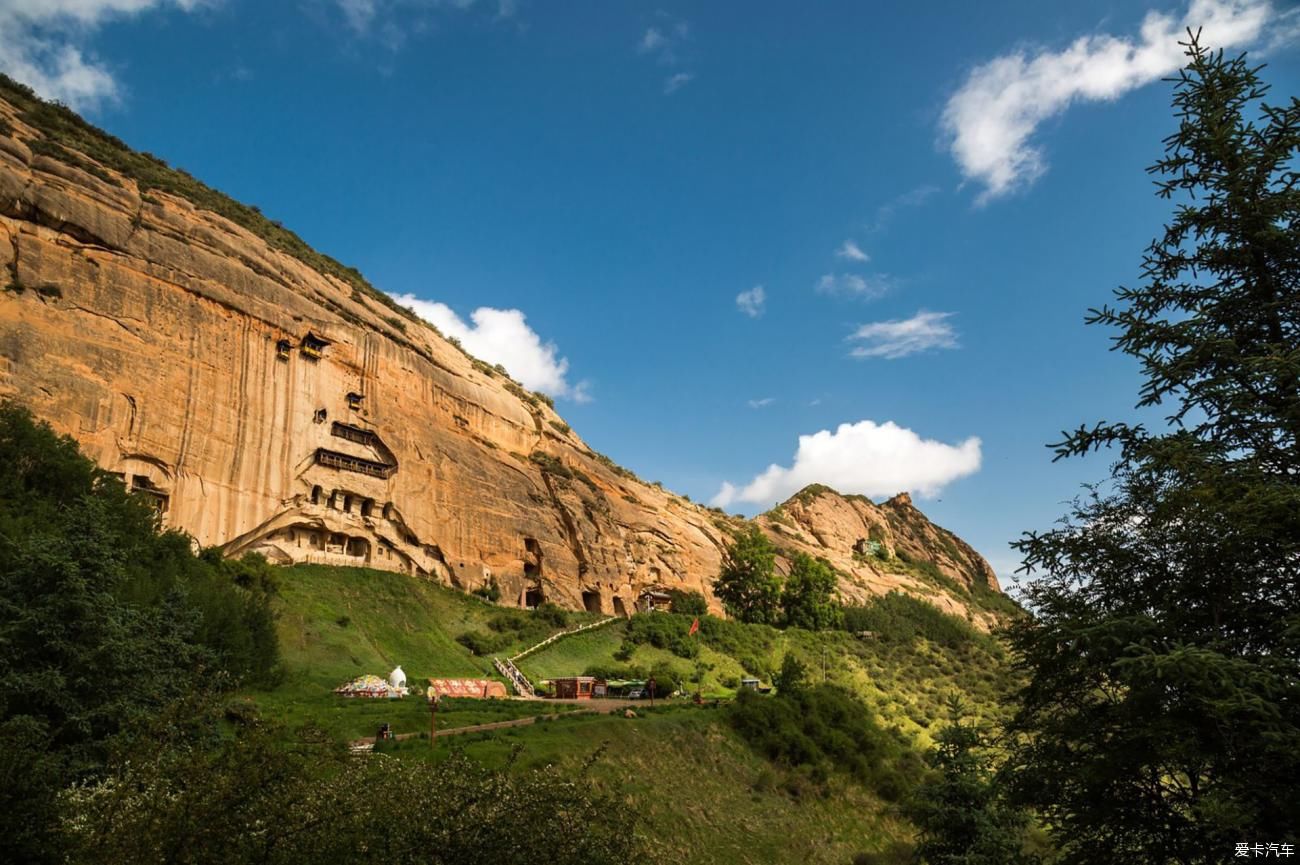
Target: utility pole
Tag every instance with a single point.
(433, 715)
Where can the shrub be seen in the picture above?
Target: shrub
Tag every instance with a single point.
(482, 643)
(552, 614)
(902, 618)
(550, 465)
(826, 729)
(663, 631)
(688, 603)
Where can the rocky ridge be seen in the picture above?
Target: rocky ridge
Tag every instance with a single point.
(270, 400)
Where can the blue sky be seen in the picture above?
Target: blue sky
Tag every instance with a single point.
(747, 245)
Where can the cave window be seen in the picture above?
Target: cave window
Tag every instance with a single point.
(354, 400)
(319, 416)
(389, 511)
(533, 598)
(282, 349)
(591, 602)
(358, 548)
(315, 494)
(620, 609)
(531, 570)
(347, 504)
(367, 507)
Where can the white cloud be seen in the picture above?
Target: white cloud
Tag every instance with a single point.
(663, 42)
(866, 458)
(762, 403)
(851, 251)
(42, 44)
(676, 82)
(900, 337)
(915, 197)
(503, 336)
(990, 121)
(358, 13)
(652, 40)
(752, 302)
(393, 20)
(854, 285)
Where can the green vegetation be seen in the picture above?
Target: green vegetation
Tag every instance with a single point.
(824, 729)
(560, 427)
(748, 585)
(104, 620)
(688, 603)
(808, 599)
(902, 618)
(257, 800)
(550, 464)
(960, 816)
(1158, 721)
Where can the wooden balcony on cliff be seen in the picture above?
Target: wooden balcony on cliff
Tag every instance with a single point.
(348, 463)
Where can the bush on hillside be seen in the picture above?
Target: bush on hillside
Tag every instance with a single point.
(825, 729)
(482, 643)
(688, 603)
(902, 618)
(263, 802)
(663, 631)
(104, 618)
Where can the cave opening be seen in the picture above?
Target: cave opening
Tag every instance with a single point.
(591, 601)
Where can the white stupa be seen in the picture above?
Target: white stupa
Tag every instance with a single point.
(397, 678)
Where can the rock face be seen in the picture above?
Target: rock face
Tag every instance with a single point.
(268, 405)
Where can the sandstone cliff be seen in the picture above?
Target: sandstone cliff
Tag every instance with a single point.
(269, 400)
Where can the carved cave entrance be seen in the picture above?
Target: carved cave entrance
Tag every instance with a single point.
(591, 601)
(620, 609)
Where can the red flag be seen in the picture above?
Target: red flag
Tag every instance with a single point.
(695, 626)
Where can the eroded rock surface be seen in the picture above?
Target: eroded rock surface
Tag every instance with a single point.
(269, 407)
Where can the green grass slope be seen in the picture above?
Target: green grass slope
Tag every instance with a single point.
(336, 624)
(702, 793)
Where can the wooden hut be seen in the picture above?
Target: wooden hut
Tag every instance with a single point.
(578, 687)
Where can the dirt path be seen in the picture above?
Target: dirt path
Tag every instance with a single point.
(590, 707)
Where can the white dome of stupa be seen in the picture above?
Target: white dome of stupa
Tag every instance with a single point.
(397, 678)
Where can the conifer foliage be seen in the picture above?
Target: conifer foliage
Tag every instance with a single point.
(1160, 720)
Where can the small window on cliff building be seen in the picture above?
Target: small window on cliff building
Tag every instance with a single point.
(319, 416)
(282, 349)
(354, 400)
(315, 494)
(367, 507)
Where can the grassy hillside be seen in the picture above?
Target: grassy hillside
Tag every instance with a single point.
(703, 796)
(702, 792)
(339, 623)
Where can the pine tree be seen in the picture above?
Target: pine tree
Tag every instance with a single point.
(1160, 719)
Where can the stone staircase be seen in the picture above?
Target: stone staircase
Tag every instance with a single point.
(506, 667)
